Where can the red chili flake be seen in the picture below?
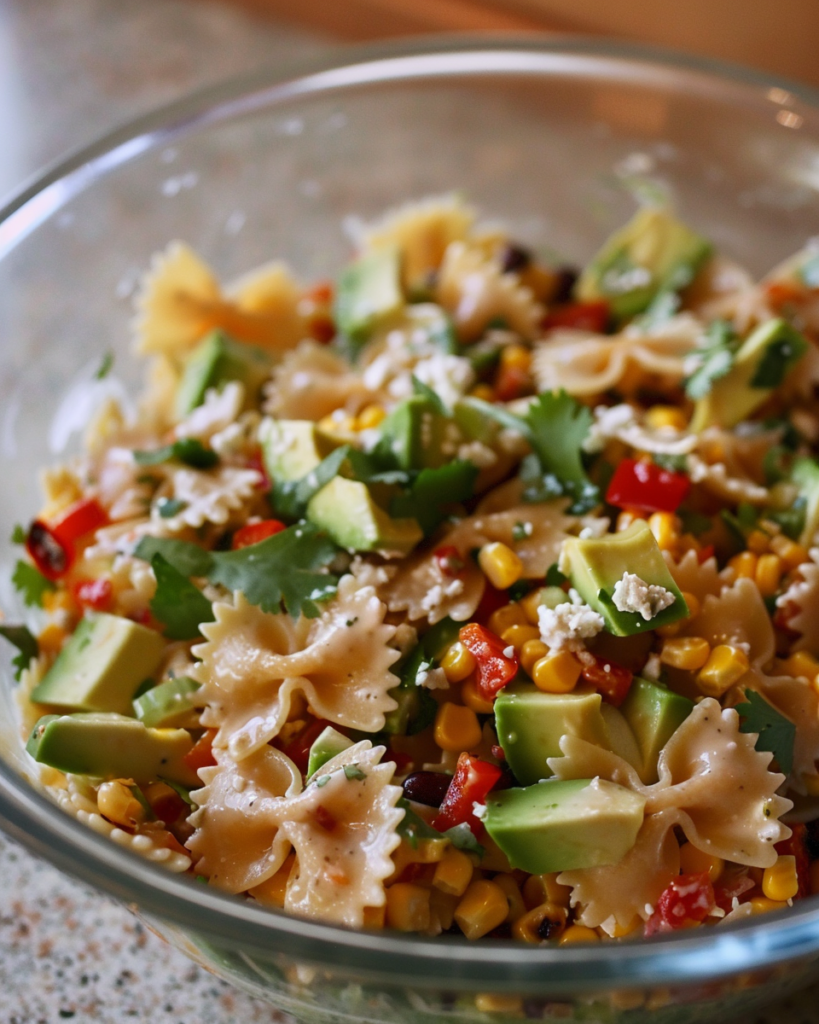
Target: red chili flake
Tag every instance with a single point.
(687, 900)
(612, 681)
(449, 560)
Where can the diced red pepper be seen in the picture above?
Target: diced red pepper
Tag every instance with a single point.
(611, 681)
(52, 558)
(253, 533)
(471, 784)
(168, 806)
(298, 749)
(94, 594)
(82, 518)
(582, 316)
(732, 884)
(796, 847)
(494, 668)
(511, 382)
(688, 900)
(490, 601)
(256, 461)
(450, 561)
(646, 486)
(705, 553)
(201, 753)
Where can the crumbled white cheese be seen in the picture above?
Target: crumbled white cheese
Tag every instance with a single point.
(608, 421)
(433, 598)
(509, 652)
(652, 667)
(479, 810)
(431, 678)
(633, 594)
(568, 625)
(478, 454)
(449, 376)
(594, 526)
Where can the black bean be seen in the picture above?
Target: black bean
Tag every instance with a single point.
(566, 280)
(427, 787)
(514, 258)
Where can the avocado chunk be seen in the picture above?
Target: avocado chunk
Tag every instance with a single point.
(596, 565)
(172, 703)
(805, 474)
(418, 434)
(101, 665)
(763, 361)
(346, 510)
(531, 723)
(416, 706)
(472, 421)
(327, 744)
(561, 825)
(291, 448)
(654, 712)
(215, 361)
(110, 746)
(653, 252)
(369, 293)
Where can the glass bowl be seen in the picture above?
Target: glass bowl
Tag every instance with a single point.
(556, 138)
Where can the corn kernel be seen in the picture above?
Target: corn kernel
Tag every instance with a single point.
(626, 518)
(811, 784)
(803, 664)
(458, 663)
(500, 564)
(758, 541)
(670, 416)
(272, 890)
(337, 424)
(780, 882)
(515, 357)
(695, 862)
(474, 699)
(493, 1002)
(671, 629)
(531, 653)
(666, 528)
(763, 905)
(558, 672)
(118, 804)
(726, 665)
(453, 872)
(457, 728)
(768, 574)
(503, 618)
(620, 931)
(374, 917)
(692, 603)
(791, 553)
(538, 889)
(517, 636)
(52, 638)
(370, 417)
(686, 652)
(744, 564)
(407, 907)
(517, 908)
(442, 908)
(483, 391)
(530, 927)
(482, 908)
(59, 601)
(530, 605)
(578, 933)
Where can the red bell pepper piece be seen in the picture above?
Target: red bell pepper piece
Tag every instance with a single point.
(94, 594)
(648, 487)
(610, 680)
(687, 900)
(796, 847)
(201, 753)
(582, 316)
(494, 668)
(471, 784)
(449, 560)
(51, 557)
(80, 519)
(253, 533)
(511, 382)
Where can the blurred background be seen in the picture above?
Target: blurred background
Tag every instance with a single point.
(71, 70)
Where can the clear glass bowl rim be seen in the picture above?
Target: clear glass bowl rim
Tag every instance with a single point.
(40, 826)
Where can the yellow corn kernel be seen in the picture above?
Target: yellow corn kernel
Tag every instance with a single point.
(659, 416)
(695, 862)
(59, 601)
(726, 665)
(271, 891)
(453, 872)
(457, 728)
(483, 391)
(791, 553)
(758, 541)
(517, 636)
(442, 910)
(118, 804)
(672, 629)
(530, 927)
(538, 889)
(811, 784)
(494, 1002)
(517, 908)
(744, 564)
(763, 905)
(685, 652)
(500, 564)
(337, 424)
(370, 416)
(458, 663)
(626, 518)
(407, 907)
(474, 699)
(515, 357)
(779, 882)
(558, 672)
(620, 931)
(482, 908)
(52, 638)
(768, 574)
(503, 618)
(531, 653)
(666, 528)
(374, 917)
(578, 933)
(692, 603)
(802, 663)
(530, 605)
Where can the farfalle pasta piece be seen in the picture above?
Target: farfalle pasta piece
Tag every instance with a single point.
(254, 662)
(211, 496)
(311, 382)
(801, 600)
(474, 290)
(218, 411)
(724, 290)
(698, 578)
(716, 478)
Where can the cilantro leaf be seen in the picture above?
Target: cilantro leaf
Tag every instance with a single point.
(290, 497)
(178, 604)
(352, 771)
(18, 534)
(169, 507)
(776, 733)
(413, 828)
(432, 490)
(716, 358)
(554, 577)
(30, 584)
(189, 450)
(26, 644)
(425, 391)
(104, 368)
(282, 570)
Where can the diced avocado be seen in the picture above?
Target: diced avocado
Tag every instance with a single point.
(110, 746)
(562, 825)
(347, 511)
(172, 703)
(215, 361)
(416, 706)
(531, 723)
(654, 712)
(652, 253)
(369, 292)
(418, 434)
(326, 746)
(805, 474)
(473, 422)
(101, 665)
(596, 565)
(291, 448)
(763, 361)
